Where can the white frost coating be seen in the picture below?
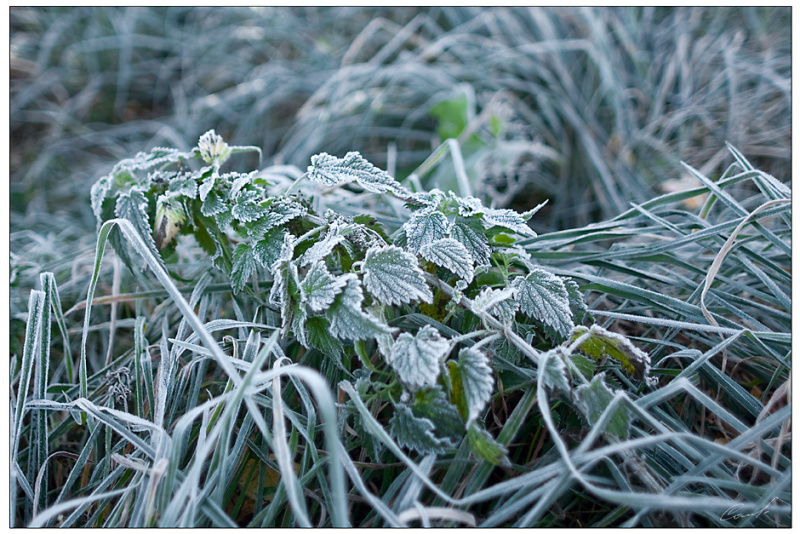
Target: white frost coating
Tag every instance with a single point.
(476, 379)
(472, 207)
(476, 243)
(543, 296)
(424, 227)
(451, 255)
(393, 276)
(497, 302)
(348, 320)
(554, 371)
(416, 359)
(330, 170)
(319, 287)
(322, 248)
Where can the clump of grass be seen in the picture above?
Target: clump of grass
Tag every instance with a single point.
(183, 423)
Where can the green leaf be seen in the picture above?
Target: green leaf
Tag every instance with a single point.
(319, 337)
(602, 344)
(542, 296)
(585, 365)
(425, 226)
(452, 117)
(475, 242)
(416, 432)
(393, 276)
(319, 287)
(348, 320)
(594, 398)
(431, 403)
(417, 359)
(472, 382)
(451, 255)
(484, 446)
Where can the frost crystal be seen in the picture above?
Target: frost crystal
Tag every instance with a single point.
(542, 296)
(330, 170)
(475, 242)
(425, 226)
(451, 255)
(319, 287)
(393, 276)
(497, 302)
(416, 358)
(213, 148)
(476, 380)
(348, 320)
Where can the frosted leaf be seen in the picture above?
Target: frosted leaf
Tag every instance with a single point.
(212, 148)
(184, 184)
(576, 303)
(393, 276)
(207, 185)
(99, 192)
(213, 205)
(484, 446)
(601, 344)
(476, 381)
(473, 207)
(246, 210)
(322, 248)
(348, 320)
(243, 266)
(132, 205)
(507, 219)
(416, 359)
(319, 287)
(476, 243)
(593, 399)
(285, 286)
(425, 226)
(416, 432)
(497, 302)
(298, 328)
(147, 160)
(239, 181)
(281, 211)
(268, 248)
(330, 170)
(542, 296)
(554, 370)
(451, 255)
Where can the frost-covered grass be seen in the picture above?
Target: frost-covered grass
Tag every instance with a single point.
(165, 402)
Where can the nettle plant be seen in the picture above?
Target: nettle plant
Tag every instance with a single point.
(423, 312)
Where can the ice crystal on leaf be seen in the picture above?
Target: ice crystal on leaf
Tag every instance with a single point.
(393, 276)
(416, 358)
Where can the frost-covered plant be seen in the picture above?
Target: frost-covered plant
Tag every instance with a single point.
(423, 311)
